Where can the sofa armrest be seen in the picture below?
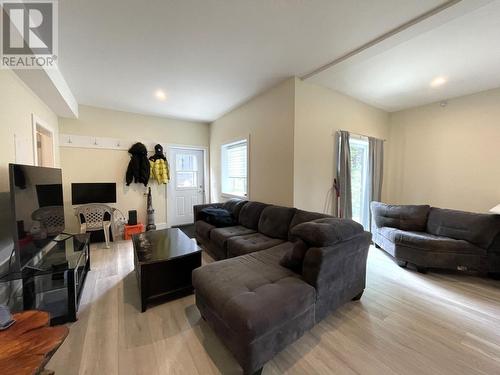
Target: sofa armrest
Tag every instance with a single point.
(344, 263)
(197, 209)
(327, 231)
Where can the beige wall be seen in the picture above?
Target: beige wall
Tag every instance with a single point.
(17, 105)
(98, 165)
(319, 113)
(447, 156)
(268, 120)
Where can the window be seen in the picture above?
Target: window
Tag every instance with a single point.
(186, 171)
(234, 165)
(359, 181)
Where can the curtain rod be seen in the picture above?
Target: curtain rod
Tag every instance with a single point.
(360, 135)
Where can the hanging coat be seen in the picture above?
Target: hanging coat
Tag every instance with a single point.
(160, 170)
(138, 170)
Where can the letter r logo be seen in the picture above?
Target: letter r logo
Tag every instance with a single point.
(27, 28)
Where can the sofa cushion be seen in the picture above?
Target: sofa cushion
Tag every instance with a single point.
(302, 216)
(430, 242)
(250, 243)
(253, 294)
(219, 236)
(479, 229)
(250, 214)
(408, 217)
(234, 205)
(203, 229)
(275, 221)
(294, 257)
(327, 232)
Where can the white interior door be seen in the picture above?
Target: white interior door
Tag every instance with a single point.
(187, 186)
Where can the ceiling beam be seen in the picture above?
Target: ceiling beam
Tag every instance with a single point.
(51, 87)
(416, 26)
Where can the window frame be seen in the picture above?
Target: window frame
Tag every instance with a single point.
(224, 146)
(193, 171)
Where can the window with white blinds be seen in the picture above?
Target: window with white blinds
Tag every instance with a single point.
(234, 165)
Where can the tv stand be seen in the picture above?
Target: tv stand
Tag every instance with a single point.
(53, 280)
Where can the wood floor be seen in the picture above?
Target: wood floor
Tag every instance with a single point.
(406, 323)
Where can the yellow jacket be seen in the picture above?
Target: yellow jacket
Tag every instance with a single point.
(160, 171)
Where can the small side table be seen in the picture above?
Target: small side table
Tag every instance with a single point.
(28, 345)
(133, 229)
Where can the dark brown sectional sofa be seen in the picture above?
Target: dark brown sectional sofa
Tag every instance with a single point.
(431, 237)
(256, 305)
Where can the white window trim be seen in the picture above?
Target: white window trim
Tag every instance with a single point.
(228, 143)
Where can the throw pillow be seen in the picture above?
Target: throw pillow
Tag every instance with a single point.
(217, 217)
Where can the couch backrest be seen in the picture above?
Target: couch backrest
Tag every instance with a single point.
(250, 214)
(479, 229)
(302, 216)
(234, 206)
(275, 221)
(327, 231)
(407, 217)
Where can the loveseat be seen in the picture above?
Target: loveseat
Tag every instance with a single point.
(430, 237)
(280, 271)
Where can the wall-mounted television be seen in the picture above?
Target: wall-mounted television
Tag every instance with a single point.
(83, 193)
(37, 211)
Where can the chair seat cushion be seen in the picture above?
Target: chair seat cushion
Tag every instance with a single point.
(430, 242)
(250, 243)
(203, 229)
(219, 236)
(253, 294)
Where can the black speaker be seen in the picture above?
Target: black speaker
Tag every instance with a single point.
(132, 217)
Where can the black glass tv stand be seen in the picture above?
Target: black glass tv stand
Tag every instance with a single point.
(53, 280)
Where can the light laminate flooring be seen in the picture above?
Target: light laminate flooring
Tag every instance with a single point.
(406, 323)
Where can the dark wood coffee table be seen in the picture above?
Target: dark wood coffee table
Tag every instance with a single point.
(164, 270)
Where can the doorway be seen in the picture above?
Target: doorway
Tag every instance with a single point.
(43, 144)
(187, 185)
(359, 181)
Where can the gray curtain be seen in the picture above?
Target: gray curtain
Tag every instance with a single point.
(376, 169)
(344, 176)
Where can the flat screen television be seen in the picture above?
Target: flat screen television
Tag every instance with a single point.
(36, 196)
(84, 193)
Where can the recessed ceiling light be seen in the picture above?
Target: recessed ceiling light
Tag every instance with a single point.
(160, 95)
(438, 81)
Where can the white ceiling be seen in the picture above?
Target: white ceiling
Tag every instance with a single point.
(211, 55)
(465, 51)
